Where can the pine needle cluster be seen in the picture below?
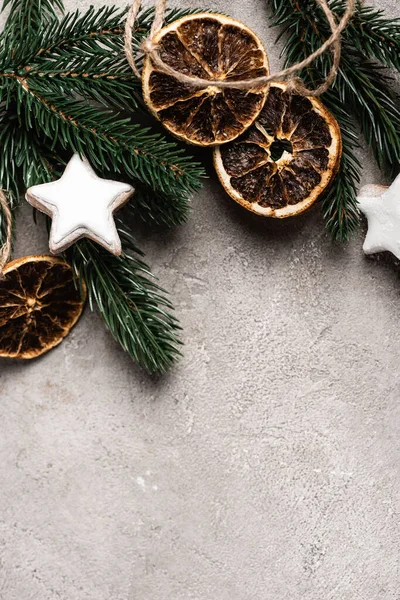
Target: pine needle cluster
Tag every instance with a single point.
(65, 87)
(363, 92)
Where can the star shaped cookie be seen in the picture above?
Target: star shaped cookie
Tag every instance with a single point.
(81, 204)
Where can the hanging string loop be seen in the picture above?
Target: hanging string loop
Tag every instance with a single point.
(295, 84)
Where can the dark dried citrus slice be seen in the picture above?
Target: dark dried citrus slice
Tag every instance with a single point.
(212, 47)
(39, 304)
(284, 162)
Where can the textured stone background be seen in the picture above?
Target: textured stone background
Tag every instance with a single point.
(264, 467)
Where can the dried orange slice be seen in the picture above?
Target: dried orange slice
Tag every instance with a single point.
(211, 47)
(284, 162)
(39, 304)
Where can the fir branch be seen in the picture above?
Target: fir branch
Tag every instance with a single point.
(107, 140)
(76, 40)
(48, 91)
(11, 147)
(130, 302)
(85, 52)
(26, 160)
(375, 36)
(361, 86)
(302, 25)
(27, 17)
(366, 89)
(339, 204)
(49, 77)
(155, 208)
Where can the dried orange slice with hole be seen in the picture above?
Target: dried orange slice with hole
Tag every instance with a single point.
(212, 47)
(39, 304)
(284, 162)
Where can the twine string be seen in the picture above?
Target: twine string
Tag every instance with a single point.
(5, 250)
(295, 84)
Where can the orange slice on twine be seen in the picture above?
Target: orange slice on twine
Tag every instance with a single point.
(286, 160)
(212, 47)
(39, 304)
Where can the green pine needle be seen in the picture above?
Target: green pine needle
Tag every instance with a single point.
(376, 36)
(339, 204)
(366, 89)
(155, 208)
(27, 17)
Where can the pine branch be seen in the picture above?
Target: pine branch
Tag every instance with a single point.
(155, 208)
(25, 160)
(302, 24)
(50, 73)
(339, 204)
(366, 89)
(26, 20)
(107, 140)
(28, 17)
(375, 36)
(131, 303)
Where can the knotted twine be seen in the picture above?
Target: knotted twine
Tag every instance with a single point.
(295, 84)
(5, 250)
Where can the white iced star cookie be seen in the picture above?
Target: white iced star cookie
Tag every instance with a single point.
(381, 206)
(81, 204)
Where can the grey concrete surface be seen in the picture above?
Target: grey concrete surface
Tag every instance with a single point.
(264, 467)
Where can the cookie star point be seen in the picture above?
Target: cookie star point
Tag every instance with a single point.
(381, 206)
(81, 204)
